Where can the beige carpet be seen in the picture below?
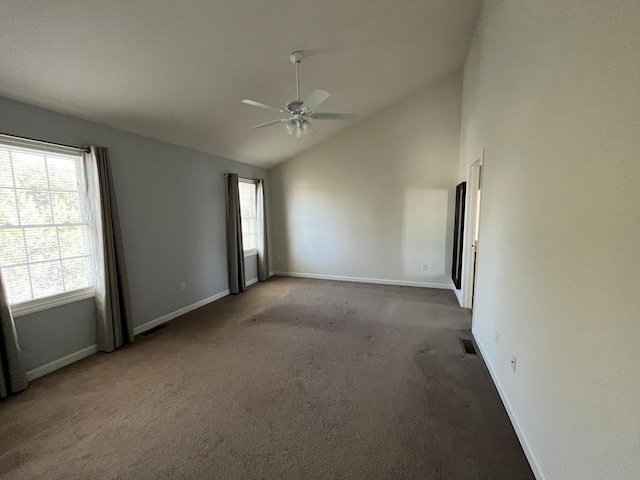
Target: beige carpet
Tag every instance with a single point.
(294, 379)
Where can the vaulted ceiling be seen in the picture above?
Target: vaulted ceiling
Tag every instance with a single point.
(177, 70)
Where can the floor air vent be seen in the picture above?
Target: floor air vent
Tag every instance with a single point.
(468, 346)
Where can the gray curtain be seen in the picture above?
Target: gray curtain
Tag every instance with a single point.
(235, 251)
(113, 305)
(261, 220)
(12, 376)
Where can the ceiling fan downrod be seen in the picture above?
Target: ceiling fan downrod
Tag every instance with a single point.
(296, 57)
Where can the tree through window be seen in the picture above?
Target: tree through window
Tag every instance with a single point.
(44, 247)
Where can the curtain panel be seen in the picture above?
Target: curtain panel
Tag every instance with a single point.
(262, 234)
(113, 305)
(235, 250)
(13, 378)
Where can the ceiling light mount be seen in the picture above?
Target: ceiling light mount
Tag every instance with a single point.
(296, 57)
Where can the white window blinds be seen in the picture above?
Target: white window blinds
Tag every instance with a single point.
(248, 214)
(44, 248)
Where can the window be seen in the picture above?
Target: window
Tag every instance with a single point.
(44, 247)
(248, 214)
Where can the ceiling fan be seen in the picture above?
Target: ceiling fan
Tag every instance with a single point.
(299, 112)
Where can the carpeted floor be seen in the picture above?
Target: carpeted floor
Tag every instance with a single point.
(294, 379)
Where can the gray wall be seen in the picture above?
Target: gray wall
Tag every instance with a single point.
(251, 267)
(172, 213)
(57, 332)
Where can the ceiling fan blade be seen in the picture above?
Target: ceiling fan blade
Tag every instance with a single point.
(272, 122)
(347, 117)
(316, 98)
(253, 103)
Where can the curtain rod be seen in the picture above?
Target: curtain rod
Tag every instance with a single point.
(242, 178)
(84, 149)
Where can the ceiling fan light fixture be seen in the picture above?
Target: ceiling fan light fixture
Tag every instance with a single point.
(298, 128)
(290, 128)
(306, 127)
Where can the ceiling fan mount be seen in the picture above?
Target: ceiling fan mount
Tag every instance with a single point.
(296, 57)
(298, 112)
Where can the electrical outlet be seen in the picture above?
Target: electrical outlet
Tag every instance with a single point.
(514, 362)
(424, 266)
(497, 337)
(183, 286)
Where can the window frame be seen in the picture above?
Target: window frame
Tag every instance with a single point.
(251, 251)
(50, 301)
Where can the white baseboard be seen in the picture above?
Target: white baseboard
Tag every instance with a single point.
(535, 467)
(379, 281)
(458, 294)
(170, 316)
(251, 282)
(61, 362)
(85, 352)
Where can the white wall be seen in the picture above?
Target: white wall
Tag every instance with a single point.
(376, 201)
(551, 90)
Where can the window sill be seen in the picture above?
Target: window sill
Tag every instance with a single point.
(33, 306)
(250, 253)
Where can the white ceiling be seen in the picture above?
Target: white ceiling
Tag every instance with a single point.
(176, 70)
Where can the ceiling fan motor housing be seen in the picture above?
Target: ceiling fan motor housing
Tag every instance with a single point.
(295, 106)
